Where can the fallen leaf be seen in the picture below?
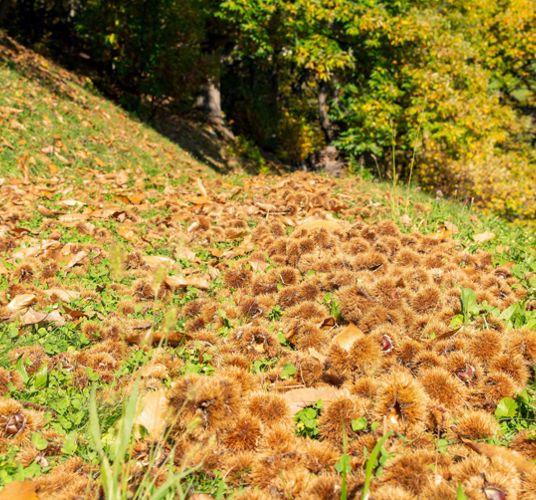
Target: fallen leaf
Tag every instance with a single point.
(76, 315)
(216, 252)
(86, 228)
(20, 302)
(172, 338)
(76, 259)
(300, 398)
(175, 282)
(347, 336)
(154, 408)
(33, 317)
(405, 220)
(449, 226)
(258, 264)
(71, 203)
(34, 251)
(182, 252)
(47, 212)
(19, 490)
(126, 232)
(63, 295)
(245, 247)
(156, 261)
(141, 324)
(73, 218)
(200, 200)
(53, 169)
(131, 198)
(193, 226)
(111, 212)
(483, 237)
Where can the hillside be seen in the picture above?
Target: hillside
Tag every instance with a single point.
(253, 337)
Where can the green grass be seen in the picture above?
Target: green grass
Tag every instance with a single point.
(51, 120)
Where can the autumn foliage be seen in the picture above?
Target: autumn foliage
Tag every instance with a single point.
(437, 92)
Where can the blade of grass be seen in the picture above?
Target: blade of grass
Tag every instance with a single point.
(371, 464)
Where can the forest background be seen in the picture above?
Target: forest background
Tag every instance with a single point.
(437, 92)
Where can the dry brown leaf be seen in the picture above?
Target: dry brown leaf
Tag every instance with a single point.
(153, 410)
(347, 336)
(76, 315)
(125, 231)
(258, 264)
(73, 218)
(449, 226)
(245, 247)
(200, 200)
(405, 220)
(300, 398)
(71, 203)
(175, 282)
(131, 198)
(21, 302)
(63, 295)
(213, 272)
(216, 252)
(76, 259)
(483, 237)
(33, 317)
(19, 490)
(34, 251)
(53, 169)
(86, 228)
(47, 212)
(109, 212)
(157, 261)
(442, 235)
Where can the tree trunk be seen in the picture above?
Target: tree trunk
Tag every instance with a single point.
(212, 100)
(211, 104)
(323, 110)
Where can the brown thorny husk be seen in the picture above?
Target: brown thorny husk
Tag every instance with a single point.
(392, 358)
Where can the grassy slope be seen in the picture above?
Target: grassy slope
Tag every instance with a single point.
(52, 125)
(53, 120)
